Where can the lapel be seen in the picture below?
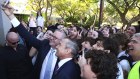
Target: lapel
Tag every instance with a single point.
(45, 52)
(62, 67)
(42, 54)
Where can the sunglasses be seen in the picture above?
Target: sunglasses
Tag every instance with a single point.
(14, 42)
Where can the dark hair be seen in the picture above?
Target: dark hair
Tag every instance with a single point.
(103, 64)
(121, 39)
(110, 29)
(12, 29)
(90, 40)
(38, 14)
(112, 45)
(52, 28)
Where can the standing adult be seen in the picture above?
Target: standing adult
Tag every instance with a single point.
(32, 24)
(45, 47)
(40, 20)
(134, 51)
(67, 68)
(15, 62)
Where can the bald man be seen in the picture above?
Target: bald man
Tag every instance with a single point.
(15, 62)
(12, 39)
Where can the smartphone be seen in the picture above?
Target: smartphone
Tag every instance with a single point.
(6, 2)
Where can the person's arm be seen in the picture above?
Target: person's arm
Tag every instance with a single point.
(32, 52)
(21, 29)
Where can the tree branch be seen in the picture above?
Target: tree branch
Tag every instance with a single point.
(138, 7)
(122, 15)
(134, 19)
(115, 7)
(126, 2)
(132, 3)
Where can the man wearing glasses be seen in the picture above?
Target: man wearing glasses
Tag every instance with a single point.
(15, 62)
(46, 59)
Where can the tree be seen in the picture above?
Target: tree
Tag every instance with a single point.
(128, 10)
(75, 11)
(36, 5)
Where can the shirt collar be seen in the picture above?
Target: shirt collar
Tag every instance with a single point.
(63, 61)
(52, 49)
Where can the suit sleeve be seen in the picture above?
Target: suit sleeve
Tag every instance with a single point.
(28, 37)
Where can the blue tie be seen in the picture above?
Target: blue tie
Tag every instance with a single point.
(49, 65)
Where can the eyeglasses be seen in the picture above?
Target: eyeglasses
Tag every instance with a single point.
(13, 42)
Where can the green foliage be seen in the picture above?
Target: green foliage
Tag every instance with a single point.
(74, 10)
(83, 11)
(35, 5)
(71, 19)
(89, 21)
(125, 11)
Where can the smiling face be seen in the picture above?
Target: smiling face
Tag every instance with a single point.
(48, 35)
(134, 47)
(130, 31)
(105, 32)
(73, 32)
(56, 37)
(62, 50)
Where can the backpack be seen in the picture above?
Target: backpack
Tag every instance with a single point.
(128, 58)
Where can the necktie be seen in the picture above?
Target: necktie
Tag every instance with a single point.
(49, 65)
(56, 67)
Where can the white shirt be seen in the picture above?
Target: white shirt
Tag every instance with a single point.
(45, 63)
(32, 23)
(120, 72)
(63, 61)
(40, 21)
(124, 63)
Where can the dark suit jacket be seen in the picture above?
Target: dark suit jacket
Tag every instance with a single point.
(69, 70)
(43, 48)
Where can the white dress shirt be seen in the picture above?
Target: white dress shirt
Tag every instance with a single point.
(63, 61)
(45, 62)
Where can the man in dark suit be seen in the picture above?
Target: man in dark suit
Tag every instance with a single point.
(15, 62)
(44, 47)
(67, 68)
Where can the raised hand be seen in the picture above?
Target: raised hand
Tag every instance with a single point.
(79, 36)
(82, 61)
(8, 9)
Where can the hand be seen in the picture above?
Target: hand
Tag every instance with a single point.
(79, 36)
(82, 61)
(8, 11)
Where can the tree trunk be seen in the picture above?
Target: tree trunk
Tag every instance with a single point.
(46, 14)
(51, 10)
